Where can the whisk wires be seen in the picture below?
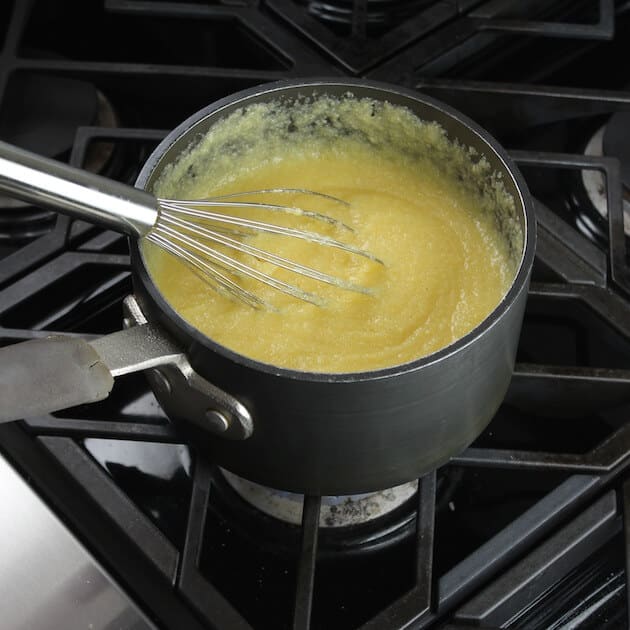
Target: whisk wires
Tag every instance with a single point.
(206, 239)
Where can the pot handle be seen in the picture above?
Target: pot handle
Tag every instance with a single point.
(45, 375)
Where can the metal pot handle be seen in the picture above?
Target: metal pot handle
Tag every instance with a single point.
(46, 375)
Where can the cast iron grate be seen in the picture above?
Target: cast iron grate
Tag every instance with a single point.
(363, 34)
(491, 37)
(581, 491)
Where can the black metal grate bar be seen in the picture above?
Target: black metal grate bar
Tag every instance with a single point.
(611, 454)
(564, 260)
(22, 334)
(608, 305)
(415, 605)
(425, 538)
(531, 577)
(17, 23)
(570, 254)
(284, 43)
(580, 390)
(617, 250)
(85, 135)
(458, 40)
(519, 107)
(45, 275)
(358, 55)
(213, 607)
(35, 253)
(604, 28)
(106, 429)
(119, 508)
(97, 70)
(307, 561)
(501, 550)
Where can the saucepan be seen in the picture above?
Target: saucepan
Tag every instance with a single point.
(298, 431)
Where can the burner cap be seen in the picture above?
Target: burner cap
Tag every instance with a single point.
(595, 186)
(616, 143)
(380, 14)
(41, 113)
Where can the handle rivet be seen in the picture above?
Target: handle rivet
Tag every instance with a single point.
(161, 382)
(218, 422)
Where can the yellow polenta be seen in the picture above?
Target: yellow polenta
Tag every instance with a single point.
(445, 265)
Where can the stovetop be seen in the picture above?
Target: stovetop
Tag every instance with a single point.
(526, 528)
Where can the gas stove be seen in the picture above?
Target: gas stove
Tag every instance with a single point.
(110, 519)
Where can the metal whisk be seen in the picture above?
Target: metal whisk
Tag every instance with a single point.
(199, 232)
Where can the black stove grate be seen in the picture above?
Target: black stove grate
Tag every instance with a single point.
(543, 494)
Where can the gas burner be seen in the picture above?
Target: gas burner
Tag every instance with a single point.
(380, 15)
(336, 511)
(234, 513)
(606, 140)
(41, 114)
(98, 154)
(21, 222)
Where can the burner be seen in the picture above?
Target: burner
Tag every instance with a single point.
(41, 114)
(98, 154)
(379, 16)
(255, 523)
(251, 558)
(336, 511)
(594, 181)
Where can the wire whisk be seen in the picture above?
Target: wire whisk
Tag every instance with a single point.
(191, 230)
(197, 231)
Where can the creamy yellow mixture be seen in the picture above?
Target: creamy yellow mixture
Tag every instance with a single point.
(445, 264)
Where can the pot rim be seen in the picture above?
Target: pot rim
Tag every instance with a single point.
(519, 283)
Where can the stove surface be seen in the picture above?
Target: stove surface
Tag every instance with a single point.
(49, 580)
(529, 527)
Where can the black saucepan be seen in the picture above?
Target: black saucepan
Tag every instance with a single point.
(304, 432)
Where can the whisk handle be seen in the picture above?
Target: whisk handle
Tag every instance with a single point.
(39, 180)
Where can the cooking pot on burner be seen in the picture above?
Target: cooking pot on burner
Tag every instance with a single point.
(304, 432)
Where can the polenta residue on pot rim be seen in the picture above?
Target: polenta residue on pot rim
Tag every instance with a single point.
(430, 208)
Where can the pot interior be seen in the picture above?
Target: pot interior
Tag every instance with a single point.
(327, 113)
